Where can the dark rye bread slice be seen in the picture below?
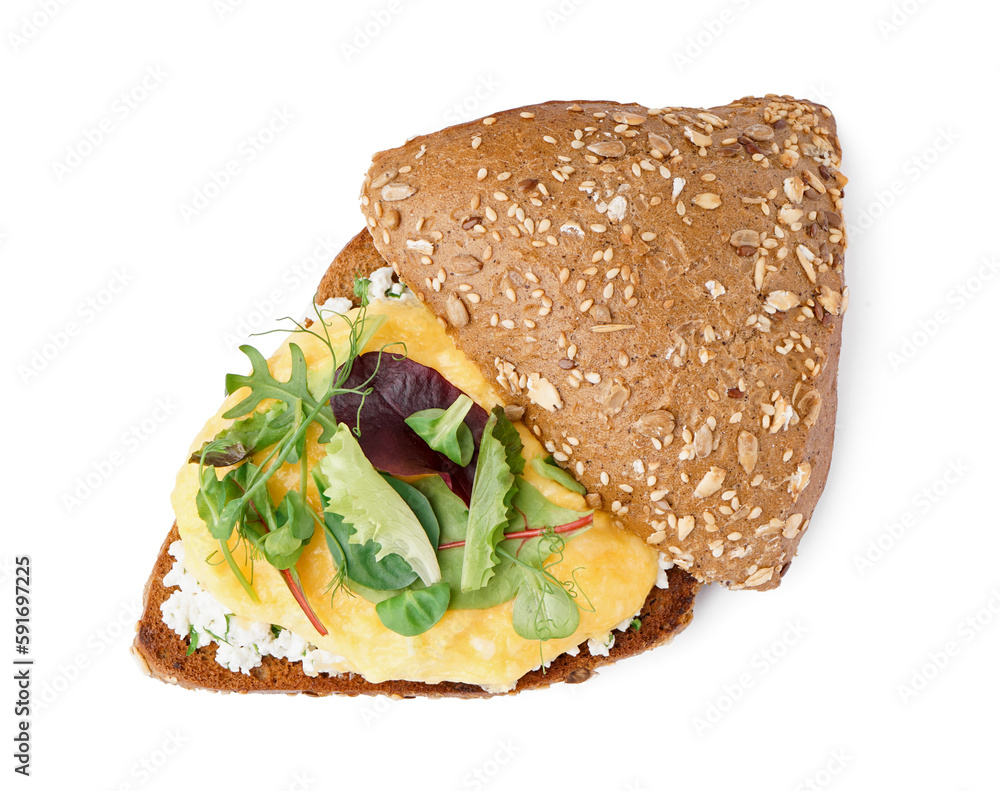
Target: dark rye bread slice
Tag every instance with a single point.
(161, 653)
(660, 289)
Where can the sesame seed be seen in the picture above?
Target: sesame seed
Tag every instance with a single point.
(481, 174)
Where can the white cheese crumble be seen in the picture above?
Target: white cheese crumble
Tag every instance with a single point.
(601, 646)
(665, 564)
(241, 644)
(381, 288)
(336, 305)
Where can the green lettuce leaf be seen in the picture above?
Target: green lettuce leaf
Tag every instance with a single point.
(492, 494)
(444, 430)
(413, 612)
(362, 497)
(362, 570)
(547, 468)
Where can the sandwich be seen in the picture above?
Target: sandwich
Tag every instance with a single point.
(581, 361)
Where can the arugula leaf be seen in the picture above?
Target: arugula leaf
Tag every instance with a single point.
(492, 494)
(413, 612)
(362, 497)
(295, 392)
(192, 640)
(261, 430)
(547, 468)
(445, 431)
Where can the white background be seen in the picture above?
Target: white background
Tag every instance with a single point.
(828, 681)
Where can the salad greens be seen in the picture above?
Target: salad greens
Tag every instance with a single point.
(444, 430)
(546, 467)
(245, 437)
(492, 496)
(544, 608)
(413, 612)
(399, 387)
(467, 533)
(358, 494)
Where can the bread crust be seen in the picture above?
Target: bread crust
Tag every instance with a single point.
(661, 290)
(162, 654)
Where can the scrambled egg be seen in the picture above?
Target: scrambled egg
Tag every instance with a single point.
(616, 569)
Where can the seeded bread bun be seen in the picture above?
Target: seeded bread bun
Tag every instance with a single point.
(660, 289)
(162, 654)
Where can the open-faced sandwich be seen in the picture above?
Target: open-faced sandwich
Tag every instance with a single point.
(582, 360)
